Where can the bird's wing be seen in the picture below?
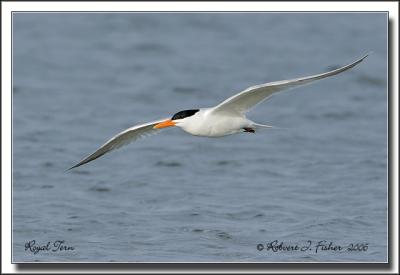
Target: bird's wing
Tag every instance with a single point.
(245, 100)
(121, 139)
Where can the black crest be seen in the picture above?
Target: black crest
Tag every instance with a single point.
(185, 113)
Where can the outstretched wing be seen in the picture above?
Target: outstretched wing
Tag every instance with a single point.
(245, 100)
(121, 139)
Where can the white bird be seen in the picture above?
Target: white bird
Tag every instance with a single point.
(226, 118)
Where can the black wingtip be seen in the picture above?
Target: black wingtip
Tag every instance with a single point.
(66, 170)
(79, 164)
(366, 55)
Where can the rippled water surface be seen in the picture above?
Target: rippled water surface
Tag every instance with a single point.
(81, 78)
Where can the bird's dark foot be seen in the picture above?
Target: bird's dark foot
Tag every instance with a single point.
(249, 130)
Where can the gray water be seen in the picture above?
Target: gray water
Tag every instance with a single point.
(78, 79)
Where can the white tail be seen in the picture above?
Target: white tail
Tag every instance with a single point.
(258, 125)
(262, 125)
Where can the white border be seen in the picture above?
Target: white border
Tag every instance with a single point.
(8, 7)
(200, 6)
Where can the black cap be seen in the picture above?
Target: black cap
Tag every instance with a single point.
(185, 113)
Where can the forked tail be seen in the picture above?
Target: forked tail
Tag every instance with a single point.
(258, 125)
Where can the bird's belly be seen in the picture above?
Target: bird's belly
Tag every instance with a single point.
(218, 128)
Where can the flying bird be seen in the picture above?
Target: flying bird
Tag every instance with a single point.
(227, 118)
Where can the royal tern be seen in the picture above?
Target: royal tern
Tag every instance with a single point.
(226, 118)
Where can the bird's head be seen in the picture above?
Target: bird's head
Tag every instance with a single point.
(178, 119)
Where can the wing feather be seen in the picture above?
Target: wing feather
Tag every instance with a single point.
(125, 137)
(245, 100)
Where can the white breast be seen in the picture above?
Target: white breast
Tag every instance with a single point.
(209, 124)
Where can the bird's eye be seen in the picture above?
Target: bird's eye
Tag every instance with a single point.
(185, 113)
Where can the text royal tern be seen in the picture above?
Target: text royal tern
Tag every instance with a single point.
(226, 118)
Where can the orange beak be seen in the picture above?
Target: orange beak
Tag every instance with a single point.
(164, 124)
